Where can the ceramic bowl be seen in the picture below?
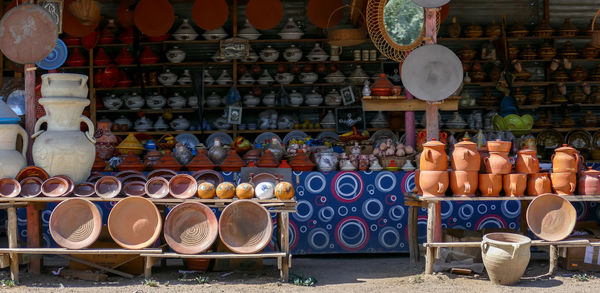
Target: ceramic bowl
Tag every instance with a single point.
(55, 187)
(245, 227)
(551, 217)
(190, 228)
(164, 173)
(134, 223)
(32, 171)
(134, 188)
(75, 223)
(9, 187)
(108, 187)
(31, 187)
(85, 189)
(157, 187)
(183, 186)
(70, 182)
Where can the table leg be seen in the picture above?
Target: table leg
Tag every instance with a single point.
(524, 227)
(12, 243)
(431, 220)
(34, 232)
(553, 259)
(283, 236)
(413, 235)
(148, 263)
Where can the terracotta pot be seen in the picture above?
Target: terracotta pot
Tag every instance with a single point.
(565, 159)
(108, 187)
(465, 156)
(514, 184)
(538, 184)
(157, 187)
(417, 185)
(31, 187)
(434, 183)
(183, 186)
(464, 183)
(32, 171)
(589, 182)
(527, 162)
(55, 187)
(134, 223)
(433, 157)
(84, 189)
(490, 184)
(245, 227)
(9, 187)
(382, 86)
(564, 183)
(551, 217)
(200, 162)
(499, 146)
(505, 256)
(498, 163)
(75, 223)
(232, 163)
(483, 153)
(206, 190)
(190, 228)
(225, 190)
(134, 188)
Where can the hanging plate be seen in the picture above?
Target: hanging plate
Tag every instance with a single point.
(210, 14)
(125, 13)
(56, 58)
(264, 14)
(325, 14)
(154, 17)
(74, 27)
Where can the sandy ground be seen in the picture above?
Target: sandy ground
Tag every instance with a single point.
(388, 273)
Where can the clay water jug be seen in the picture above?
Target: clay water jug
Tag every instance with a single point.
(433, 183)
(505, 256)
(465, 156)
(588, 182)
(538, 184)
(527, 161)
(106, 141)
(514, 184)
(11, 160)
(564, 183)
(464, 183)
(64, 85)
(217, 153)
(565, 159)
(490, 184)
(433, 157)
(63, 149)
(498, 163)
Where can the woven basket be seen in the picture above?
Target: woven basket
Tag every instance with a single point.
(595, 33)
(347, 37)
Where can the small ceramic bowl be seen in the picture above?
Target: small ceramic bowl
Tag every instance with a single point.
(9, 187)
(183, 186)
(164, 173)
(84, 189)
(31, 187)
(108, 187)
(134, 188)
(71, 184)
(157, 187)
(55, 187)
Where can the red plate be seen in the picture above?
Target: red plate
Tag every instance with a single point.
(210, 14)
(154, 17)
(325, 14)
(125, 14)
(264, 14)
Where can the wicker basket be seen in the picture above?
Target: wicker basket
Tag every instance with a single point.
(163, 145)
(347, 37)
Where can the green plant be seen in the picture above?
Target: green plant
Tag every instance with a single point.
(417, 279)
(7, 283)
(202, 279)
(583, 277)
(303, 281)
(151, 283)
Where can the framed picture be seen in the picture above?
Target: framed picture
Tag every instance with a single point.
(347, 95)
(235, 48)
(55, 9)
(348, 117)
(234, 115)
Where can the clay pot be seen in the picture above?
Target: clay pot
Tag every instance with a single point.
(55, 187)
(301, 162)
(131, 162)
(200, 162)
(527, 162)
(490, 184)
(183, 186)
(464, 183)
(382, 86)
(514, 184)
(433, 157)
(245, 227)
(465, 156)
(157, 187)
(134, 223)
(31, 187)
(225, 190)
(551, 217)
(232, 163)
(84, 189)
(134, 188)
(505, 256)
(564, 183)
(538, 184)
(267, 160)
(167, 161)
(75, 223)
(499, 146)
(284, 191)
(498, 163)
(244, 191)
(206, 190)
(565, 159)
(589, 182)
(433, 183)
(9, 187)
(190, 228)
(108, 187)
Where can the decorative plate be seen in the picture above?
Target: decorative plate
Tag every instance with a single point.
(328, 136)
(261, 138)
(383, 135)
(596, 140)
(225, 139)
(579, 139)
(211, 176)
(296, 134)
(56, 58)
(549, 138)
(188, 139)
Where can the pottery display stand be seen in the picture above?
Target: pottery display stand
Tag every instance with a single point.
(281, 207)
(431, 246)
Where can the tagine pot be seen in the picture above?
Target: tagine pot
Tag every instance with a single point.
(433, 157)
(527, 162)
(505, 256)
(200, 162)
(464, 183)
(565, 159)
(589, 182)
(538, 184)
(490, 184)
(564, 183)
(232, 163)
(433, 183)
(465, 156)
(514, 184)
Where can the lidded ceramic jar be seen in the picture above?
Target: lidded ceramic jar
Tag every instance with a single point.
(564, 183)
(538, 184)
(433, 157)
(527, 161)
(106, 141)
(589, 182)
(156, 101)
(565, 159)
(333, 98)
(176, 101)
(292, 54)
(269, 54)
(134, 102)
(498, 161)
(433, 183)
(290, 30)
(185, 32)
(180, 123)
(175, 55)
(465, 156)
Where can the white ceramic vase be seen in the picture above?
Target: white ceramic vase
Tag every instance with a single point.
(11, 160)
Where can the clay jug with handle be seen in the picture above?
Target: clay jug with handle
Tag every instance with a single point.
(565, 159)
(11, 160)
(527, 161)
(564, 183)
(514, 184)
(464, 183)
(490, 184)
(433, 183)
(498, 163)
(465, 156)
(538, 183)
(589, 182)
(433, 157)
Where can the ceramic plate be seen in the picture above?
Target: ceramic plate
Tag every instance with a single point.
(56, 58)
(263, 177)
(499, 123)
(188, 140)
(596, 140)
(260, 139)
(211, 176)
(383, 135)
(225, 139)
(296, 134)
(328, 136)
(579, 139)
(549, 138)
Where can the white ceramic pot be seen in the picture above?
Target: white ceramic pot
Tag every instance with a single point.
(176, 101)
(505, 256)
(185, 78)
(180, 123)
(269, 54)
(213, 100)
(313, 99)
(192, 101)
(295, 98)
(143, 124)
(292, 54)
(134, 102)
(12, 161)
(333, 98)
(63, 149)
(64, 85)
(156, 101)
(175, 55)
(264, 190)
(167, 77)
(251, 100)
(112, 102)
(185, 32)
(269, 99)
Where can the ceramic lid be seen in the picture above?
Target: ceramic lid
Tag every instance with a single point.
(564, 148)
(465, 143)
(433, 143)
(167, 161)
(591, 171)
(131, 162)
(526, 150)
(7, 116)
(267, 160)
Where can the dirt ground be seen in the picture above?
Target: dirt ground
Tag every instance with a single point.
(387, 273)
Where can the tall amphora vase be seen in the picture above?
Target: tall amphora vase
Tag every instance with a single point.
(63, 149)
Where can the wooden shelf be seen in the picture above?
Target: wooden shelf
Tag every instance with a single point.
(494, 198)
(309, 40)
(550, 60)
(217, 255)
(150, 111)
(528, 38)
(400, 103)
(463, 39)
(172, 132)
(313, 62)
(532, 83)
(286, 130)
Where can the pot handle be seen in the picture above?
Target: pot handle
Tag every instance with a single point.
(516, 247)
(25, 138)
(552, 158)
(84, 80)
(467, 187)
(572, 186)
(90, 133)
(427, 154)
(441, 187)
(513, 186)
(490, 190)
(486, 162)
(484, 247)
(38, 124)
(466, 155)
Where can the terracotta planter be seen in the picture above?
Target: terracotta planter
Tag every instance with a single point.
(434, 183)
(514, 184)
(465, 156)
(551, 217)
(85, 189)
(190, 228)
(538, 184)
(134, 223)
(244, 191)
(55, 187)
(464, 183)
(527, 162)
(499, 146)
(134, 188)
(157, 187)
(505, 256)
(564, 183)
(490, 184)
(498, 163)
(565, 159)
(183, 186)
(433, 157)
(589, 182)
(206, 190)
(108, 187)
(75, 223)
(245, 227)
(225, 190)
(31, 187)
(9, 187)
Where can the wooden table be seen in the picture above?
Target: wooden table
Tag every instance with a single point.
(281, 207)
(414, 202)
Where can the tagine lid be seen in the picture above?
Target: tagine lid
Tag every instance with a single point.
(130, 142)
(564, 148)
(201, 161)
(267, 160)
(591, 171)
(526, 150)
(433, 143)
(131, 162)
(301, 160)
(233, 160)
(465, 143)
(167, 161)
(7, 115)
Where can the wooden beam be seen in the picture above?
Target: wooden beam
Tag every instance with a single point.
(217, 255)
(79, 251)
(12, 235)
(564, 243)
(97, 266)
(382, 104)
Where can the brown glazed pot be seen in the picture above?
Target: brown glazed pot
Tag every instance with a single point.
(75, 223)
(9, 187)
(464, 183)
(134, 223)
(564, 183)
(206, 190)
(225, 190)
(551, 217)
(183, 186)
(108, 187)
(498, 163)
(433, 157)
(31, 187)
(84, 189)
(514, 184)
(190, 228)
(244, 191)
(55, 187)
(157, 187)
(589, 182)
(565, 159)
(134, 188)
(465, 156)
(490, 184)
(527, 162)
(434, 183)
(245, 227)
(538, 184)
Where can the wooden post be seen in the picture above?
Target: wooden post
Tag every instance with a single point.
(523, 224)
(34, 232)
(148, 263)
(553, 265)
(413, 236)
(12, 234)
(431, 220)
(283, 227)
(409, 123)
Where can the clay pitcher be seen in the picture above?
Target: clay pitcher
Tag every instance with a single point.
(433, 157)
(538, 184)
(490, 184)
(565, 159)
(505, 256)
(498, 163)
(464, 183)
(527, 161)
(588, 182)
(434, 183)
(465, 156)
(514, 184)
(564, 183)
(11, 160)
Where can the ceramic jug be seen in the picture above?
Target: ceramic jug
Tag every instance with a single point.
(514, 184)
(63, 149)
(465, 156)
(565, 159)
(433, 183)
(433, 157)
(64, 85)
(588, 182)
(538, 184)
(490, 184)
(326, 161)
(464, 183)
(527, 161)
(217, 153)
(505, 256)
(498, 163)
(11, 160)
(564, 183)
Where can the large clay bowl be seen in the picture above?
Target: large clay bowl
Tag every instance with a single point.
(164, 173)
(32, 171)
(9, 187)
(134, 188)
(84, 189)
(75, 223)
(157, 187)
(245, 227)
(551, 217)
(31, 187)
(134, 223)
(55, 187)
(211, 176)
(108, 187)
(190, 228)
(183, 186)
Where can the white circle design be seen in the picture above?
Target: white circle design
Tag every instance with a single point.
(326, 214)
(305, 217)
(312, 235)
(368, 213)
(380, 177)
(388, 231)
(396, 213)
(315, 175)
